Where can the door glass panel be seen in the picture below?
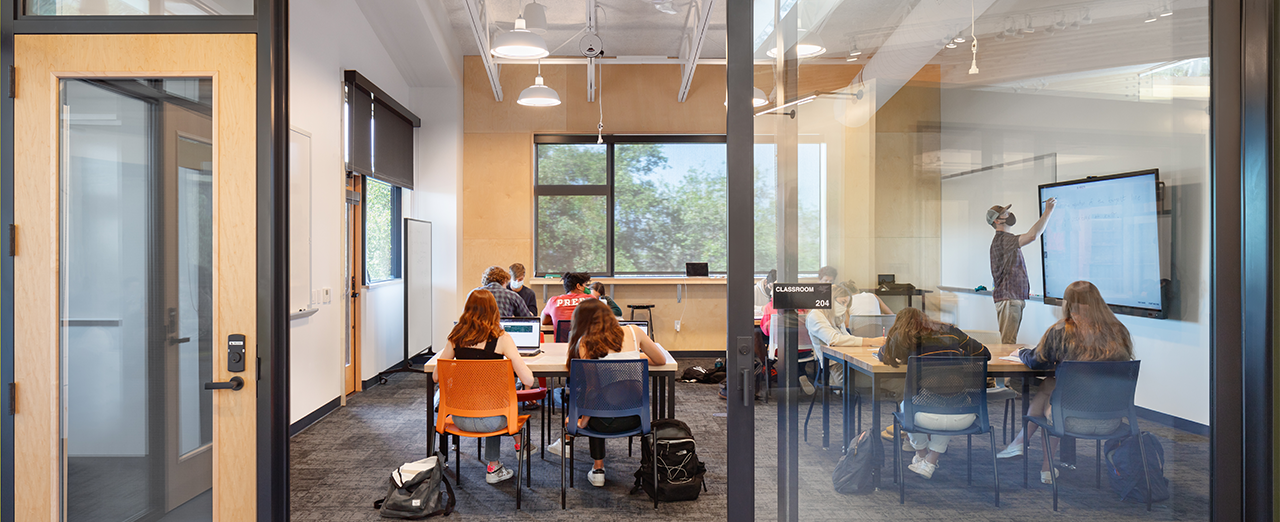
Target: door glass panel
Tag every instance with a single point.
(135, 299)
(139, 7)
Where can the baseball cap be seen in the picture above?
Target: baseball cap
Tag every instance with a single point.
(994, 212)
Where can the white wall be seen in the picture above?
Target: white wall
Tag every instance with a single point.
(1108, 136)
(326, 38)
(436, 198)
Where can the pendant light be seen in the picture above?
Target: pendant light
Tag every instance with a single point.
(535, 17)
(809, 46)
(519, 43)
(758, 98)
(538, 95)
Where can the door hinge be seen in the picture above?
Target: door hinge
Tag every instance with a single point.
(13, 398)
(13, 240)
(13, 81)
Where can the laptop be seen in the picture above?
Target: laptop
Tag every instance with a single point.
(695, 270)
(643, 325)
(526, 332)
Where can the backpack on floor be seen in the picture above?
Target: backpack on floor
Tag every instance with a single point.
(855, 469)
(680, 473)
(1124, 468)
(417, 495)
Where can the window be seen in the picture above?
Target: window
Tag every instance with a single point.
(381, 231)
(631, 205)
(811, 203)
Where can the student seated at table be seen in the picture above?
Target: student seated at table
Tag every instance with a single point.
(560, 308)
(827, 327)
(596, 334)
(478, 335)
(914, 333)
(517, 285)
(510, 304)
(1088, 331)
(597, 291)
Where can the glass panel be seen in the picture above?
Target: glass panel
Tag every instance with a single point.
(572, 164)
(139, 7)
(572, 234)
(136, 295)
(903, 136)
(378, 240)
(669, 207)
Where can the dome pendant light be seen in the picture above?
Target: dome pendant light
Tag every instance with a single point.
(538, 95)
(519, 43)
(535, 17)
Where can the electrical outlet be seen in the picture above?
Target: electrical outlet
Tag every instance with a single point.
(677, 325)
(326, 295)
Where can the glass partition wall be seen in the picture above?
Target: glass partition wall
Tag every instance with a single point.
(890, 132)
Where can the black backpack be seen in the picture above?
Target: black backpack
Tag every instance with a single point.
(853, 472)
(1124, 468)
(418, 497)
(680, 473)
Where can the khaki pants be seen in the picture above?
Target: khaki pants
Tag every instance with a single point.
(1009, 315)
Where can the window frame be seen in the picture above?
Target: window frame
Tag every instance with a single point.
(396, 240)
(607, 189)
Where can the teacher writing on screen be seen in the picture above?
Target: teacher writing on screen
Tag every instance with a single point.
(1009, 269)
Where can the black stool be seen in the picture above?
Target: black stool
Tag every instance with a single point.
(648, 310)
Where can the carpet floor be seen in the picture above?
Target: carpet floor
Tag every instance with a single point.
(340, 465)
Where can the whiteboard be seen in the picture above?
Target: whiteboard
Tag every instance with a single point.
(417, 286)
(299, 220)
(966, 236)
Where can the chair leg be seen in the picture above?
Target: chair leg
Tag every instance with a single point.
(995, 468)
(653, 450)
(898, 462)
(520, 463)
(968, 460)
(1004, 427)
(1053, 467)
(1145, 476)
(630, 440)
(479, 455)
(570, 448)
(528, 466)
(457, 457)
(1097, 463)
(564, 446)
(812, 398)
(1026, 446)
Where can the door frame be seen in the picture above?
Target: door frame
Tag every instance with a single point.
(271, 25)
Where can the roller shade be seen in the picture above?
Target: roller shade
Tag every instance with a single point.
(393, 146)
(360, 102)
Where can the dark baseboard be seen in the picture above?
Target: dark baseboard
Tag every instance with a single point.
(314, 416)
(1174, 422)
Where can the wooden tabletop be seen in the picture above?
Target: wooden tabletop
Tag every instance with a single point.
(554, 357)
(864, 357)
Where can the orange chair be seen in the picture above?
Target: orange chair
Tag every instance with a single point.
(483, 388)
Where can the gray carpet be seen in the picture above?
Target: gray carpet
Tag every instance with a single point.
(340, 466)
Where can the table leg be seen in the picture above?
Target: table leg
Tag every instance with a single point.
(826, 403)
(875, 427)
(847, 407)
(655, 391)
(431, 415)
(671, 396)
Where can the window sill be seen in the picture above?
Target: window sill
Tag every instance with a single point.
(380, 284)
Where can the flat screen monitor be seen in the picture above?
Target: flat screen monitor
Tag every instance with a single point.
(1105, 230)
(525, 331)
(696, 270)
(643, 325)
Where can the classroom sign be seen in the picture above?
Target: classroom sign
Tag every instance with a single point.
(802, 296)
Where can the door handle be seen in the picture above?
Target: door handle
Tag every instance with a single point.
(179, 340)
(746, 387)
(234, 385)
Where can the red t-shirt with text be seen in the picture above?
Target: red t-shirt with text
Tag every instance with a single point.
(560, 308)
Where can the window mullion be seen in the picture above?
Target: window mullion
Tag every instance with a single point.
(609, 163)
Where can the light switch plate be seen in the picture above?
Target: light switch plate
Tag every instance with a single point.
(326, 295)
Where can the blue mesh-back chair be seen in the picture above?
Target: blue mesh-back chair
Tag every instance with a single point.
(562, 330)
(602, 388)
(949, 386)
(1095, 390)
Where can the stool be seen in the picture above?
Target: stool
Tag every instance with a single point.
(648, 310)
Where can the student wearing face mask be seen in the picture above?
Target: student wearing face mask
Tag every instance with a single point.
(517, 286)
(827, 327)
(1009, 269)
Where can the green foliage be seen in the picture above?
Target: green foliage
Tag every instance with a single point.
(377, 230)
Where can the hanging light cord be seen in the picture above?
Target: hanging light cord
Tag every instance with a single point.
(600, 101)
(973, 35)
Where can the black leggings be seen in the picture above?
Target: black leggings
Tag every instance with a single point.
(609, 425)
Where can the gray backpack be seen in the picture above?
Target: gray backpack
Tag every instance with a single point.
(420, 495)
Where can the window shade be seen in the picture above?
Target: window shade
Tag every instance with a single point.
(393, 146)
(361, 103)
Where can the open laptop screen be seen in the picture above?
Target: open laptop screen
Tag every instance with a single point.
(643, 325)
(524, 331)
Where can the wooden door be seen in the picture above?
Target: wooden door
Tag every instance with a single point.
(355, 283)
(135, 270)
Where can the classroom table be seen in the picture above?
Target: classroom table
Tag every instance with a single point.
(862, 359)
(552, 362)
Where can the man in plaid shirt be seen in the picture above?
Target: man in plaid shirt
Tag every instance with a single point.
(509, 303)
(1009, 269)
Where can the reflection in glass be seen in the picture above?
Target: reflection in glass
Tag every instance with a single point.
(139, 7)
(379, 231)
(135, 300)
(572, 234)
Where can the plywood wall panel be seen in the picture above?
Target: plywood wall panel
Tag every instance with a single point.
(497, 186)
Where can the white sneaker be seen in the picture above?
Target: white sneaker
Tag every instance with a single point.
(1046, 479)
(596, 477)
(916, 459)
(1010, 451)
(498, 475)
(923, 468)
(806, 385)
(555, 446)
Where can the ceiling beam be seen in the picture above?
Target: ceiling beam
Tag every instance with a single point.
(702, 18)
(479, 17)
